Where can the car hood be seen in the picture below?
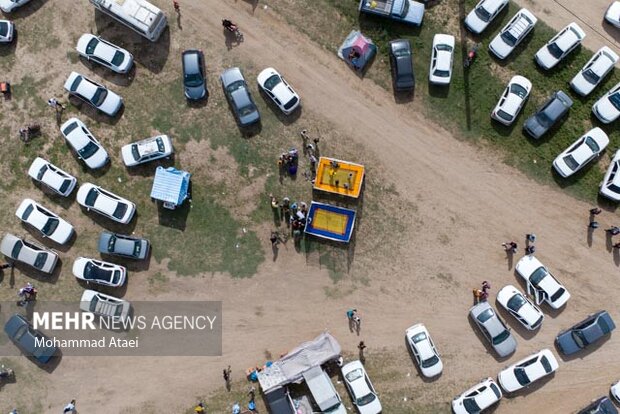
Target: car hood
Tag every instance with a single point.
(63, 232)
(231, 75)
(545, 59)
(97, 160)
(474, 23)
(606, 110)
(581, 85)
(195, 92)
(534, 128)
(566, 344)
(112, 103)
(78, 267)
(8, 36)
(499, 47)
(508, 381)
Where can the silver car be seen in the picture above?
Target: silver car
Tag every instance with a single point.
(104, 305)
(239, 97)
(29, 253)
(493, 328)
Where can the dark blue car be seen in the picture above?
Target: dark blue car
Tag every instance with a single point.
(601, 406)
(585, 333)
(26, 337)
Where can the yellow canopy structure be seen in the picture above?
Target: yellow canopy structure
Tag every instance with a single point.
(339, 177)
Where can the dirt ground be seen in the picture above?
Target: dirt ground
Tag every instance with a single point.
(468, 203)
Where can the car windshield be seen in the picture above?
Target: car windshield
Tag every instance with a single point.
(521, 376)
(579, 339)
(442, 73)
(615, 100)
(430, 362)
(518, 90)
(193, 79)
(501, 337)
(555, 50)
(558, 294)
(91, 197)
(516, 302)
(41, 172)
(91, 46)
(93, 272)
(504, 115)
(401, 52)
(118, 58)
(40, 260)
(543, 119)
(366, 399)
(16, 249)
(444, 47)
(4, 29)
(483, 14)
(590, 76)
(290, 103)
(569, 160)
(471, 406)
(234, 86)
(121, 209)
(88, 151)
(99, 96)
(538, 275)
(50, 226)
(485, 315)
(602, 323)
(272, 81)
(355, 374)
(591, 143)
(65, 185)
(546, 365)
(509, 38)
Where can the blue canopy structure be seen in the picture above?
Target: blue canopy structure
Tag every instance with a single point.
(170, 186)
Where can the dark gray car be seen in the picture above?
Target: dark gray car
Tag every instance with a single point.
(29, 340)
(547, 115)
(401, 62)
(194, 75)
(239, 97)
(126, 246)
(585, 333)
(602, 405)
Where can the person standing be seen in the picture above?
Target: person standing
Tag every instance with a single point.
(593, 224)
(226, 374)
(69, 408)
(613, 230)
(361, 347)
(177, 6)
(595, 211)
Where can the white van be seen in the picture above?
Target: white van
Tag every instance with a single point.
(323, 391)
(139, 15)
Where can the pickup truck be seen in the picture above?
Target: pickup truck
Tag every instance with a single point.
(406, 11)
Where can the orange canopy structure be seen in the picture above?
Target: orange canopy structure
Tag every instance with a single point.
(339, 177)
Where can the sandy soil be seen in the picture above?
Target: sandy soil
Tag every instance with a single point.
(468, 202)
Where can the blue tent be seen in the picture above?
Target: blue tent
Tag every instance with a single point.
(170, 186)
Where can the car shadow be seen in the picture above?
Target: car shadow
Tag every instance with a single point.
(417, 367)
(95, 114)
(110, 224)
(275, 110)
(46, 241)
(230, 39)
(515, 53)
(573, 179)
(403, 97)
(148, 169)
(64, 202)
(612, 31)
(134, 265)
(438, 91)
(98, 173)
(119, 79)
(26, 10)
(523, 392)
(175, 219)
(514, 324)
(200, 103)
(39, 276)
(483, 339)
(117, 292)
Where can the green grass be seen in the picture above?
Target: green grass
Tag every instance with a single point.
(469, 118)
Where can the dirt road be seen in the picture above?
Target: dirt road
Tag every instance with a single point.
(466, 204)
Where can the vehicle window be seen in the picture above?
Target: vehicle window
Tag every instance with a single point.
(591, 77)
(235, 85)
(505, 115)
(418, 337)
(538, 275)
(496, 390)
(91, 197)
(40, 260)
(443, 47)
(4, 28)
(91, 46)
(430, 362)
(572, 29)
(518, 90)
(521, 376)
(88, 151)
(591, 143)
(442, 73)
(27, 212)
(16, 249)
(118, 58)
(482, 13)
(41, 172)
(137, 248)
(121, 209)
(76, 83)
(111, 243)
(355, 374)
(65, 185)
(501, 337)
(508, 38)
(545, 363)
(70, 128)
(602, 323)
(246, 110)
(50, 226)
(160, 144)
(99, 96)
(615, 100)
(516, 302)
(272, 82)
(193, 79)
(570, 162)
(579, 338)
(485, 315)
(366, 399)
(402, 52)
(471, 406)
(291, 103)
(558, 294)
(93, 303)
(555, 50)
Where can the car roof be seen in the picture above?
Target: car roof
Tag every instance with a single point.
(359, 386)
(492, 5)
(191, 61)
(602, 63)
(231, 75)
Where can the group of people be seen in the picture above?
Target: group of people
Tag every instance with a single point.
(312, 152)
(481, 295)
(288, 162)
(612, 230)
(511, 247)
(294, 215)
(27, 294)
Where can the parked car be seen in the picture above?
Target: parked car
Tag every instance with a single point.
(614, 390)
(519, 306)
(48, 223)
(602, 405)
(99, 272)
(483, 14)
(512, 100)
(94, 94)
(607, 108)
(610, 186)
(52, 177)
(83, 142)
(323, 392)
(560, 46)
(541, 283)
(194, 78)
(401, 63)
(239, 97)
(121, 245)
(29, 253)
(581, 152)
(478, 398)
(278, 89)
(528, 370)
(106, 203)
(360, 388)
(585, 333)
(555, 108)
(441, 59)
(612, 15)
(8, 6)
(7, 29)
(493, 328)
(513, 33)
(96, 49)
(594, 71)
(424, 350)
(146, 150)
(19, 330)
(104, 305)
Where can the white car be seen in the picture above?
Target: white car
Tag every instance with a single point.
(49, 224)
(519, 306)
(106, 203)
(613, 14)
(615, 391)
(101, 51)
(581, 152)
(541, 283)
(8, 6)
(99, 272)
(424, 350)
(359, 386)
(512, 100)
(146, 150)
(29, 253)
(94, 94)
(52, 177)
(560, 45)
(441, 59)
(104, 305)
(607, 108)
(528, 370)
(83, 142)
(513, 33)
(610, 186)
(483, 14)
(478, 398)
(7, 29)
(278, 89)
(594, 71)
